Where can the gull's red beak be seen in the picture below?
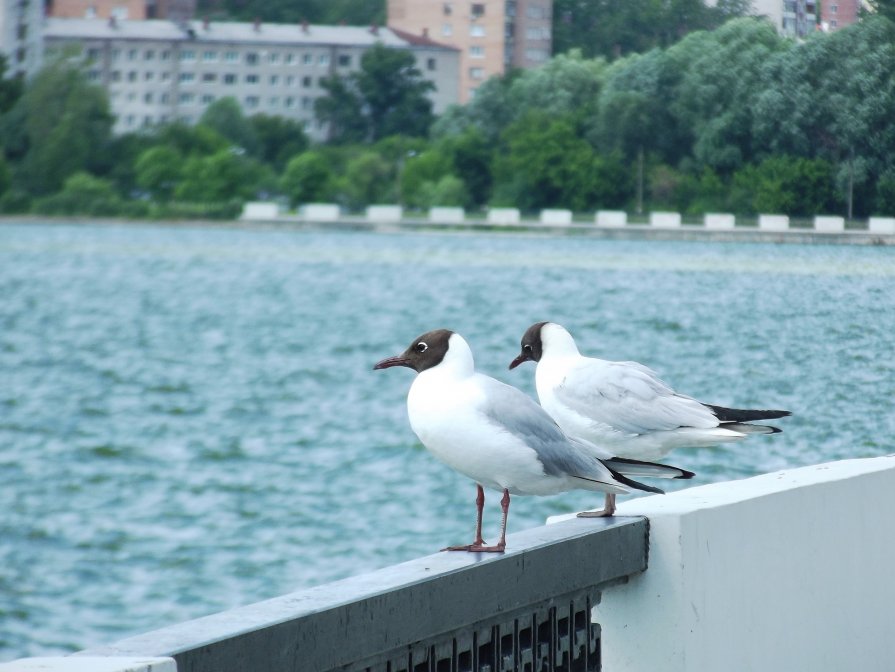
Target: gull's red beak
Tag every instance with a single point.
(389, 362)
(521, 358)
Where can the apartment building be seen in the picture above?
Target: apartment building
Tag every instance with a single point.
(836, 14)
(492, 36)
(160, 71)
(793, 18)
(21, 42)
(176, 10)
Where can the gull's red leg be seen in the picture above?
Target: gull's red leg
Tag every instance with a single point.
(478, 546)
(605, 512)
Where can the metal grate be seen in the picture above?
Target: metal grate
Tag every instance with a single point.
(557, 636)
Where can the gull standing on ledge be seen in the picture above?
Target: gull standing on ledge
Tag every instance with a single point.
(624, 407)
(495, 434)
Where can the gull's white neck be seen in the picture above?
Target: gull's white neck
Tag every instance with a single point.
(457, 364)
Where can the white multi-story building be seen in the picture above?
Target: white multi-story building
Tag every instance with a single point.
(793, 18)
(21, 22)
(158, 71)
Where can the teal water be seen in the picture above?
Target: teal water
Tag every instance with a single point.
(189, 420)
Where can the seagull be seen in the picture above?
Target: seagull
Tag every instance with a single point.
(497, 435)
(624, 407)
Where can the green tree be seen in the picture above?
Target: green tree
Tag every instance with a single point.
(369, 178)
(225, 175)
(158, 170)
(5, 176)
(10, 87)
(67, 125)
(386, 96)
(308, 178)
(82, 194)
(784, 184)
(279, 139)
(225, 117)
(546, 164)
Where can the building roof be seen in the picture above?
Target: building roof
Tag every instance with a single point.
(229, 32)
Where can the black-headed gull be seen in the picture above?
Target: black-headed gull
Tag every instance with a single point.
(624, 407)
(497, 435)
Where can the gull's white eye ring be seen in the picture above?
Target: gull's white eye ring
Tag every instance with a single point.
(421, 346)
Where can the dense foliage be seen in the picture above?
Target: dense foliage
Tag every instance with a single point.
(735, 119)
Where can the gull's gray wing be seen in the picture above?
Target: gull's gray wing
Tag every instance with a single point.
(629, 398)
(517, 413)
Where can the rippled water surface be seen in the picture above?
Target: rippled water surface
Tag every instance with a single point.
(189, 420)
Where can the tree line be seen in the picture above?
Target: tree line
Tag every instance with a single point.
(735, 119)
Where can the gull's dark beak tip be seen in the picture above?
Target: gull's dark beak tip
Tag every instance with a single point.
(389, 362)
(516, 362)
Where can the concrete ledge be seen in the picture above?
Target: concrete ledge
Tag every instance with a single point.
(384, 213)
(719, 221)
(786, 571)
(504, 216)
(884, 225)
(665, 220)
(320, 212)
(556, 217)
(612, 218)
(826, 224)
(90, 664)
(443, 215)
(773, 222)
(390, 611)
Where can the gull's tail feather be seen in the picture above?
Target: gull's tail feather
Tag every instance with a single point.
(745, 415)
(621, 478)
(744, 428)
(640, 468)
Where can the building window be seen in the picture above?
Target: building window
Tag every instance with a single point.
(149, 55)
(251, 58)
(94, 53)
(209, 77)
(166, 76)
(93, 76)
(132, 55)
(116, 54)
(344, 61)
(229, 78)
(290, 102)
(132, 76)
(148, 75)
(290, 80)
(165, 55)
(307, 103)
(274, 80)
(209, 56)
(431, 64)
(834, 9)
(186, 98)
(207, 99)
(290, 59)
(116, 76)
(477, 9)
(323, 60)
(447, 9)
(273, 58)
(477, 73)
(273, 102)
(536, 55)
(307, 82)
(231, 57)
(165, 98)
(447, 30)
(147, 98)
(307, 59)
(476, 30)
(252, 102)
(187, 77)
(251, 79)
(477, 51)
(188, 55)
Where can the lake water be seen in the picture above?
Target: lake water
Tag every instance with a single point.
(189, 420)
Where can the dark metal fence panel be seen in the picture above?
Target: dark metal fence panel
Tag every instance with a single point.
(526, 609)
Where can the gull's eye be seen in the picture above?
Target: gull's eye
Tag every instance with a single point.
(421, 346)
(526, 347)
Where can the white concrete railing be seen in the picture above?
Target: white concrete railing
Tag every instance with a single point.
(786, 571)
(385, 213)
